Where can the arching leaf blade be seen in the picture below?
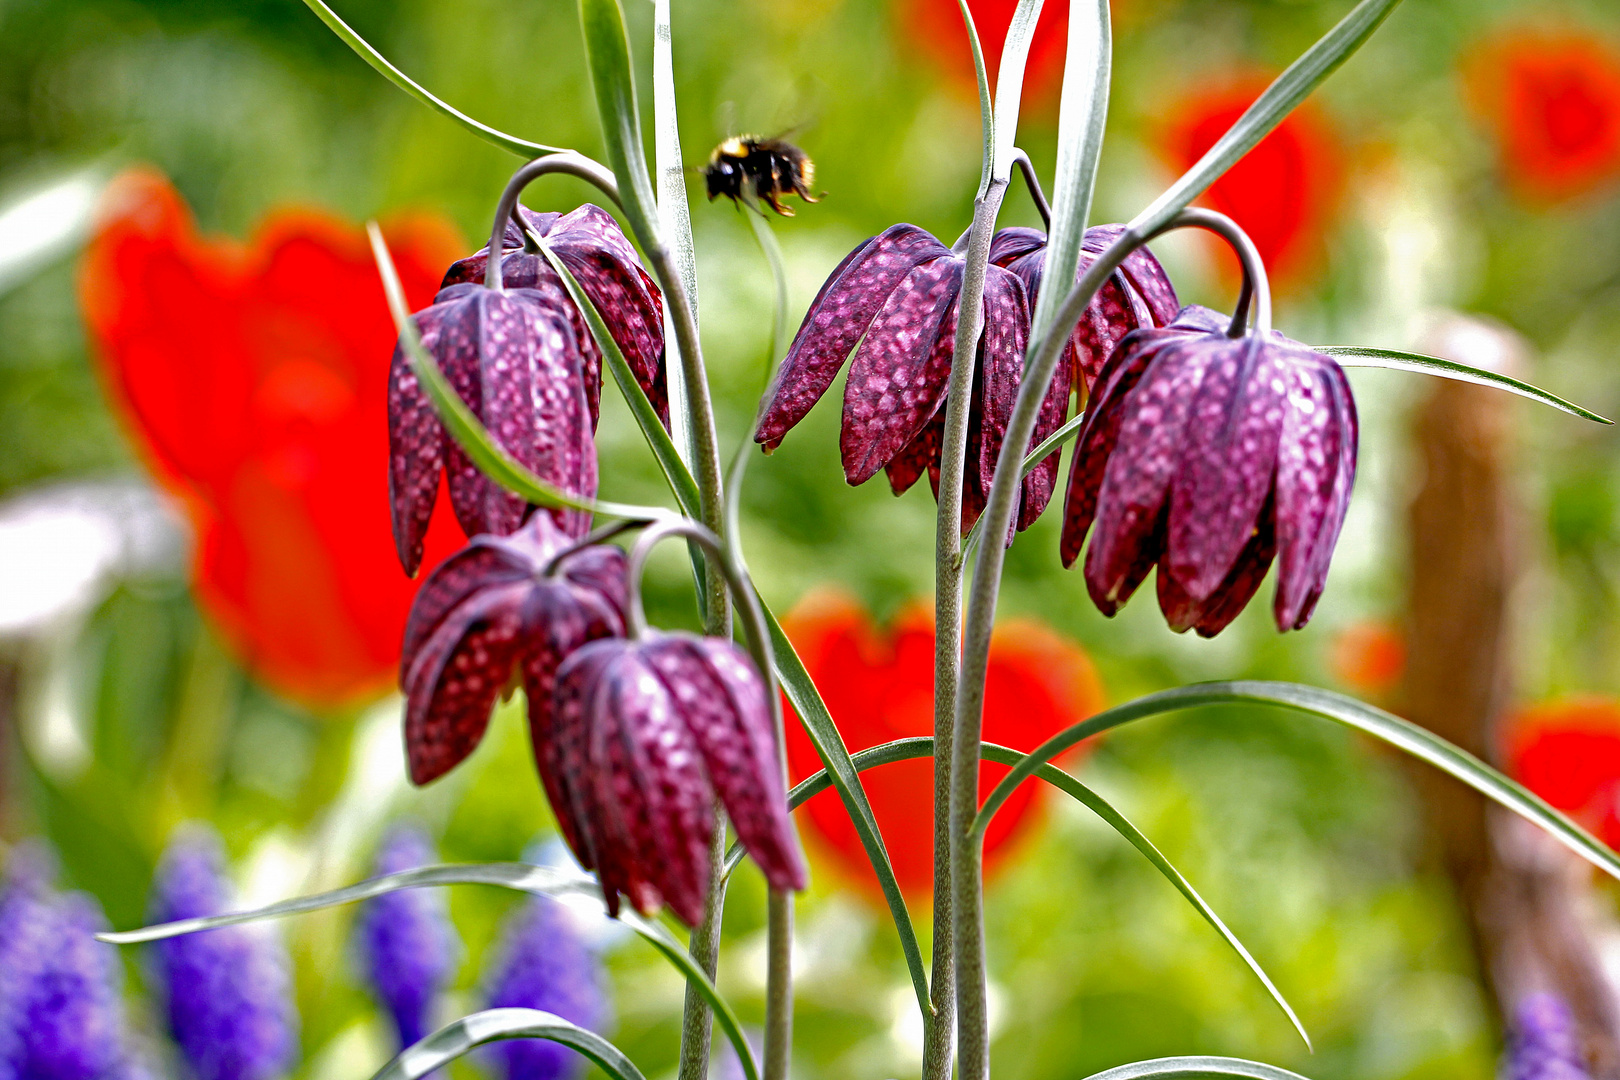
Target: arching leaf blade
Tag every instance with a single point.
(607, 48)
(1353, 356)
(1010, 83)
(1195, 1068)
(987, 123)
(461, 1037)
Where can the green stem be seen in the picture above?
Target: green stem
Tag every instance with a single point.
(697, 1019)
(778, 983)
(947, 630)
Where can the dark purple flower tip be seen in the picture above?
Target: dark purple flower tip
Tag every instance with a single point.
(226, 993)
(543, 963)
(647, 734)
(589, 242)
(513, 358)
(486, 612)
(408, 946)
(1209, 456)
(1544, 1042)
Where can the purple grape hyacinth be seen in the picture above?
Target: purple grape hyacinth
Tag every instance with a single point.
(543, 964)
(61, 1011)
(645, 734)
(226, 992)
(407, 943)
(1209, 456)
(487, 609)
(1544, 1043)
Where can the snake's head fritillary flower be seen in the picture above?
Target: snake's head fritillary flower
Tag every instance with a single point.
(1209, 456)
(514, 359)
(589, 242)
(1137, 295)
(407, 943)
(646, 734)
(893, 302)
(494, 608)
(227, 992)
(1544, 1043)
(545, 964)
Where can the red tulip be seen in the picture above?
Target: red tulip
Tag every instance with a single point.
(1369, 657)
(1552, 99)
(1283, 192)
(880, 687)
(937, 24)
(253, 378)
(1568, 752)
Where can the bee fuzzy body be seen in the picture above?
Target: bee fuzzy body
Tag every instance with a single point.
(747, 167)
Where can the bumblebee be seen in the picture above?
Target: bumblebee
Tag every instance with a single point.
(747, 167)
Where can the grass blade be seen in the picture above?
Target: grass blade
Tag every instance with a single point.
(1082, 116)
(1268, 110)
(781, 333)
(1401, 734)
(1010, 84)
(674, 215)
(923, 747)
(607, 46)
(459, 1038)
(521, 147)
(1195, 1068)
(459, 420)
(987, 123)
(1359, 356)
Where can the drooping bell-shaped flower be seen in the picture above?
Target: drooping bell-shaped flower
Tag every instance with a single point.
(407, 943)
(1208, 456)
(589, 242)
(1544, 1042)
(1135, 296)
(493, 607)
(514, 359)
(543, 963)
(645, 735)
(227, 992)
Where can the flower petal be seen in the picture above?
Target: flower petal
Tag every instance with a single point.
(919, 455)
(1297, 612)
(900, 370)
(484, 563)
(1006, 332)
(562, 753)
(1307, 466)
(415, 450)
(837, 319)
(1213, 614)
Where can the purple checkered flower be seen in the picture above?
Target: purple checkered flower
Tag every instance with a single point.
(407, 943)
(226, 993)
(542, 963)
(487, 610)
(61, 1012)
(1544, 1043)
(1208, 456)
(645, 734)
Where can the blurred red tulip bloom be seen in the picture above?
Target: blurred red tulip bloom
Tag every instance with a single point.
(880, 687)
(1368, 656)
(1552, 100)
(937, 25)
(1283, 192)
(254, 381)
(1568, 752)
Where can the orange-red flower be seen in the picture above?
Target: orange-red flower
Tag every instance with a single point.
(253, 378)
(1283, 192)
(937, 25)
(1568, 752)
(880, 687)
(1368, 656)
(1552, 100)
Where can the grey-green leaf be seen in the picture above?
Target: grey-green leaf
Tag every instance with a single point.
(1361, 356)
(1010, 83)
(986, 113)
(521, 147)
(1401, 734)
(459, 1038)
(1268, 110)
(1195, 1068)
(607, 47)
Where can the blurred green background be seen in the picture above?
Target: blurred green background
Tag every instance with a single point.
(1308, 840)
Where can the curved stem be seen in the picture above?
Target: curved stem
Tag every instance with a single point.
(595, 536)
(1255, 283)
(1033, 183)
(967, 880)
(568, 163)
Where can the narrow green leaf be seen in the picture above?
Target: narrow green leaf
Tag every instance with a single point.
(663, 447)
(818, 724)
(987, 123)
(522, 877)
(1082, 116)
(1268, 110)
(521, 147)
(674, 219)
(1360, 356)
(459, 420)
(459, 1038)
(1195, 1068)
(607, 47)
(781, 334)
(923, 747)
(1010, 83)
(1401, 734)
